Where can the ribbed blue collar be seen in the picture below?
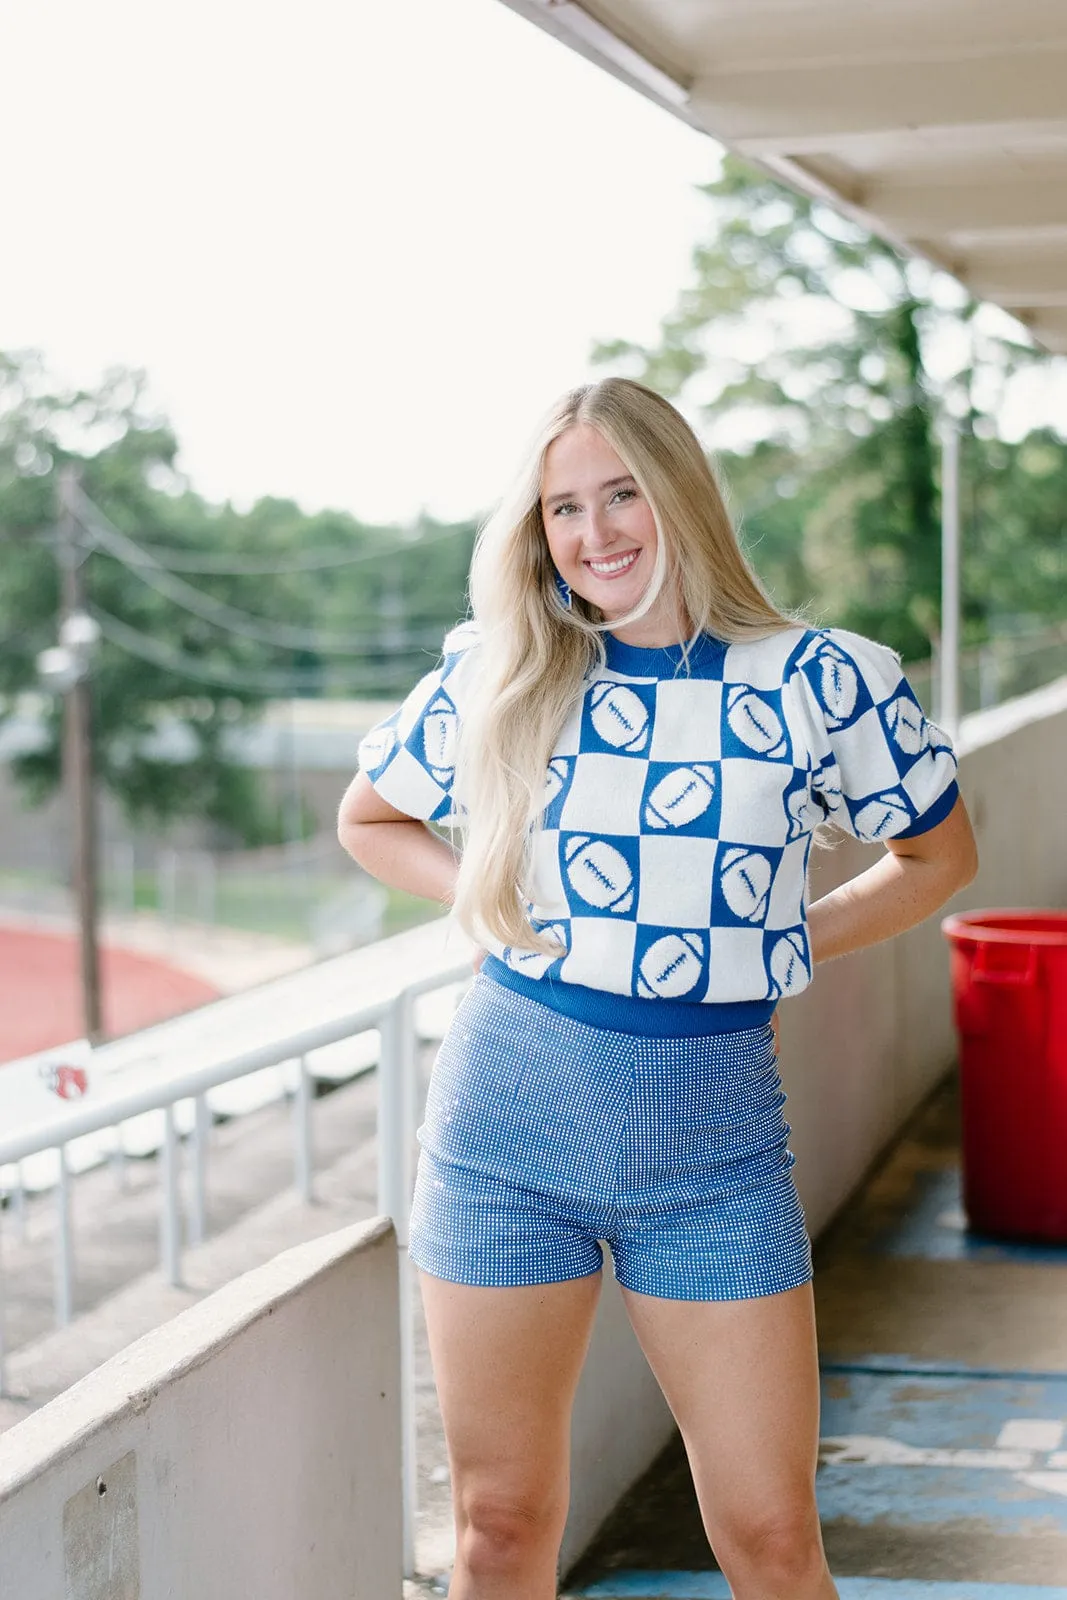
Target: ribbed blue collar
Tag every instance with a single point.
(665, 660)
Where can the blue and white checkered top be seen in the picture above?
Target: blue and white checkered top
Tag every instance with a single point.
(670, 861)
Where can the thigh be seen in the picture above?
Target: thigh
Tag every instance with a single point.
(742, 1379)
(506, 1363)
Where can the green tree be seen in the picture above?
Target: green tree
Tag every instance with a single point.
(232, 609)
(809, 351)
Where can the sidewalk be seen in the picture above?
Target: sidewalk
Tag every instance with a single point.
(943, 1468)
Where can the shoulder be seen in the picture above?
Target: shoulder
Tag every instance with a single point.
(461, 639)
(766, 663)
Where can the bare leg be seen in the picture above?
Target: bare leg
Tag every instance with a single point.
(507, 1362)
(741, 1377)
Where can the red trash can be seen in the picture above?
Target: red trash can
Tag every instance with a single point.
(1009, 986)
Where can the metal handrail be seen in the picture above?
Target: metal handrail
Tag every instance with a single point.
(397, 1114)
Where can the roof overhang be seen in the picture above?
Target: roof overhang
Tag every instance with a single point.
(939, 124)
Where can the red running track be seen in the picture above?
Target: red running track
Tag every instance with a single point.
(40, 991)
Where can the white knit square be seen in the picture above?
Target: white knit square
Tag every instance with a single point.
(787, 891)
(687, 720)
(736, 968)
(601, 954)
(676, 879)
(605, 795)
(753, 803)
(863, 754)
(928, 779)
(545, 883)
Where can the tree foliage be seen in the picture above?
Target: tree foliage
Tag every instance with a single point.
(228, 610)
(820, 361)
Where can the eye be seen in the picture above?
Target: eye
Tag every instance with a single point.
(566, 506)
(627, 494)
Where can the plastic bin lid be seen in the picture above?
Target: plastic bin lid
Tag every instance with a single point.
(1008, 927)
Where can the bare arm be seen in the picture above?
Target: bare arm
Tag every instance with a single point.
(396, 849)
(911, 881)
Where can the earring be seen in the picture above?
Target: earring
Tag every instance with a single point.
(563, 589)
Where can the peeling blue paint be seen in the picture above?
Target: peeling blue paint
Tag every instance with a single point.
(946, 1414)
(713, 1586)
(931, 1229)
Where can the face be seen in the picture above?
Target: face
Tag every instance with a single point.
(600, 528)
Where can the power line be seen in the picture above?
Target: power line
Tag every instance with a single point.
(218, 613)
(201, 564)
(180, 662)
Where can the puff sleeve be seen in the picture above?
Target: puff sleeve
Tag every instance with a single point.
(410, 757)
(879, 768)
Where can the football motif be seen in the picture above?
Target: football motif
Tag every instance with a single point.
(838, 685)
(680, 797)
(754, 722)
(746, 883)
(439, 737)
(906, 724)
(534, 963)
(619, 716)
(599, 874)
(555, 778)
(671, 967)
(883, 816)
(376, 749)
(789, 968)
(797, 808)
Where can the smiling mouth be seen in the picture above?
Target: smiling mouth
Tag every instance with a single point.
(609, 569)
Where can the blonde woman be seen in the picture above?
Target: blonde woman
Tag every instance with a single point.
(637, 747)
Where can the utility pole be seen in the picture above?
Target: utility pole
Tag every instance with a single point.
(949, 664)
(77, 635)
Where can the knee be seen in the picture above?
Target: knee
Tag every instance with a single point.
(781, 1546)
(501, 1534)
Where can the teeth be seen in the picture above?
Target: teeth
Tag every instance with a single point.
(614, 566)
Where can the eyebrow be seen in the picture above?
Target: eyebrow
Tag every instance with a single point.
(610, 483)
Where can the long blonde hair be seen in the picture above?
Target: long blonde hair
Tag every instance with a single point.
(534, 654)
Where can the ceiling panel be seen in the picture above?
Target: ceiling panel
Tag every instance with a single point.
(940, 124)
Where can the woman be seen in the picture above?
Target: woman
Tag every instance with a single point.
(638, 747)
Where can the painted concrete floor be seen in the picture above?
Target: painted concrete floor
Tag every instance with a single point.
(943, 1465)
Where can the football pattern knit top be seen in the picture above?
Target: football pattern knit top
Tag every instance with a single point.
(670, 861)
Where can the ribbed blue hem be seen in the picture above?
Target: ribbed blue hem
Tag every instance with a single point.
(624, 1013)
(937, 813)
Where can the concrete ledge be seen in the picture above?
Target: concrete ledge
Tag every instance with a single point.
(249, 1446)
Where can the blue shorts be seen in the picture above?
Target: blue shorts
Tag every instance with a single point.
(544, 1135)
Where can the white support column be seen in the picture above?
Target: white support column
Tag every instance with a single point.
(302, 1153)
(949, 698)
(201, 1134)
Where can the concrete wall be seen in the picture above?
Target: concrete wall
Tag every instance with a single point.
(250, 1447)
(859, 1052)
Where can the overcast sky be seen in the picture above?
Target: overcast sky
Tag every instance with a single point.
(357, 247)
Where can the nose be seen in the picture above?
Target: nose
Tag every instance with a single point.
(598, 533)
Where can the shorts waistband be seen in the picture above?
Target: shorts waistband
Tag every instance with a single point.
(624, 1013)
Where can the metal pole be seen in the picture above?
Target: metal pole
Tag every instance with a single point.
(949, 700)
(198, 1209)
(170, 1220)
(64, 1285)
(78, 760)
(393, 1201)
(302, 1135)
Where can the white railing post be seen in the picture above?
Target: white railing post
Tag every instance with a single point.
(64, 1269)
(18, 1197)
(302, 1153)
(198, 1204)
(394, 1198)
(170, 1219)
(3, 1385)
